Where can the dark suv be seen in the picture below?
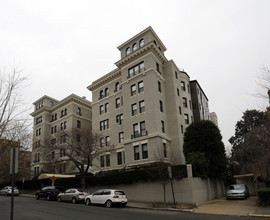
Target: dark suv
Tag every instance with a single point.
(49, 192)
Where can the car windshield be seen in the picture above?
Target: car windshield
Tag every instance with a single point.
(237, 187)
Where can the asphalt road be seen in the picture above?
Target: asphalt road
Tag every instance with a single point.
(31, 209)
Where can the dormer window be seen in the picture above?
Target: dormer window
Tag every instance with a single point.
(128, 51)
(134, 47)
(141, 42)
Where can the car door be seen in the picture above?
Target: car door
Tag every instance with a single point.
(105, 196)
(66, 195)
(42, 193)
(95, 198)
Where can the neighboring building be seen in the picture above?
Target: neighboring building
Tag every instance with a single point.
(50, 117)
(143, 106)
(5, 149)
(199, 102)
(25, 159)
(213, 118)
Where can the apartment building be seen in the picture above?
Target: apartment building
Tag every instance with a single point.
(51, 117)
(199, 102)
(143, 106)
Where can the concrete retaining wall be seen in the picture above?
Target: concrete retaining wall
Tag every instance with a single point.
(187, 190)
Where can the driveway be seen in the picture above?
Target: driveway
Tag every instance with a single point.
(229, 207)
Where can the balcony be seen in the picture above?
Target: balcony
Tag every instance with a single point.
(139, 134)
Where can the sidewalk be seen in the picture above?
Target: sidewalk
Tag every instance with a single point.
(219, 206)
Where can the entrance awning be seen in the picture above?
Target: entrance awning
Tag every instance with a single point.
(51, 175)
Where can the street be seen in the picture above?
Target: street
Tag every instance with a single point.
(31, 209)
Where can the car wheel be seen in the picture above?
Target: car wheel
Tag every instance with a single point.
(37, 196)
(73, 200)
(108, 203)
(59, 199)
(48, 197)
(88, 202)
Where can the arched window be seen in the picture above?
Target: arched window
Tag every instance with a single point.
(141, 42)
(117, 86)
(106, 92)
(134, 47)
(101, 94)
(128, 51)
(79, 111)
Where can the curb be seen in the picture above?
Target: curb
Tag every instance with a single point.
(162, 209)
(259, 215)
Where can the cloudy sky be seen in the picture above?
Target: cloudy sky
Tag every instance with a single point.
(65, 45)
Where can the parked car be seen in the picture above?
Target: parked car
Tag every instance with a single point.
(108, 197)
(49, 192)
(237, 191)
(8, 191)
(73, 195)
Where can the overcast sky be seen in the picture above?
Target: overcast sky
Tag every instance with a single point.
(65, 45)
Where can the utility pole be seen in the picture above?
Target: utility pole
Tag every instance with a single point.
(13, 169)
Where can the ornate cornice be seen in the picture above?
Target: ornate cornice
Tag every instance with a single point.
(105, 79)
(151, 46)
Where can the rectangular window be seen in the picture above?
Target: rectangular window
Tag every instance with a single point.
(144, 151)
(186, 119)
(78, 124)
(182, 129)
(119, 158)
(102, 161)
(106, 107)
(117, 103)
(176, 75)
(164, 150)
(160, 106)
(108, 160)
(136, 130)
(102, 142)
(185, 102)
(178, 92)
(136, 153)
(157, 67)
(119, 119)
(134, 109)
(53, 155)
(183, 86)
(180, 110)
(101, 109)
(140, 86)
(133, 90)
(53, 141)
(159, 86)
(136, 70)
(142, 128)
(104, 125)
(121, 137)
(141, 106)
(162, 126)
(107, 140)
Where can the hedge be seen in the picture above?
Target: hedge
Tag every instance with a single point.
(108, 178)
(264, 196)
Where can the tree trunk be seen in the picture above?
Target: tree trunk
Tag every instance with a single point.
(83, 184)
(164, 195)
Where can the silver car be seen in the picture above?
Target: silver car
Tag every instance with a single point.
(108, 197)
(237, 191)
(8, 191)
(72, 195)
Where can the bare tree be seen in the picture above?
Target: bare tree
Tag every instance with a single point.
(77, 146)
(14, 122)
(263, 82)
